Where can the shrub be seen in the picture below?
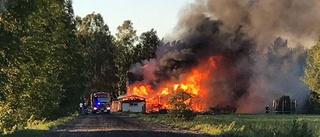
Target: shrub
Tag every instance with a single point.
(299, 130)
(179, 109)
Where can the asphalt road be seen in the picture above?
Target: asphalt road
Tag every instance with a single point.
(117, 125)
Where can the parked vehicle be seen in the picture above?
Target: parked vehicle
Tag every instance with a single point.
(100, 102)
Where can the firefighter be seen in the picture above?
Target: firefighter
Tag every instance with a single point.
(81, 107)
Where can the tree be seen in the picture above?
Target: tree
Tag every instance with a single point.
(126, 39)
(148, 44)
(126, 35)
(40, 62)
(312, 70)
(283, 69)
(312, 75)
(13, 26)
(315, 100)
(98, 51)
(69, 59)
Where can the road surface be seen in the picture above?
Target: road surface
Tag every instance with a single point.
(116, 125)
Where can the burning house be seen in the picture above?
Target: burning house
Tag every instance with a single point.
(240, 54)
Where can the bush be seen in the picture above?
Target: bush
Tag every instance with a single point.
(299, 130)
(179, 109)
(315, 100)
(182, 114)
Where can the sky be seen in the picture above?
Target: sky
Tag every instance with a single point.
(162, 15)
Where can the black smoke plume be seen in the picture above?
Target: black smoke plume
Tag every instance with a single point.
(262, 45)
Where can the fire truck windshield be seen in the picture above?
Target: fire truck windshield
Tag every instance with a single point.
(103, 99)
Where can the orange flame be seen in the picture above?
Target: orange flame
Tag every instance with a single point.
(191, 84)
(165, 91)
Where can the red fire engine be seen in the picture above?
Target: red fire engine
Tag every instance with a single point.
(100, 102)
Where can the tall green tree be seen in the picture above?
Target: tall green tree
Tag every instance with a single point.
(40, 62)
(312, 71)
(148, 44)
(312, 77)
(126, 39)
(69, 59)
(13, 26)
(132, 49)
(98, 50)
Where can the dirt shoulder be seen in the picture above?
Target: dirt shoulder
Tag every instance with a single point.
(116, 125)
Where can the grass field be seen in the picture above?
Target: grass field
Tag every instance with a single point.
(246, 125)
(37, 128)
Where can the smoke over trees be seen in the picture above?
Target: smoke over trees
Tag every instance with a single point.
(261, 44)
(293, 20)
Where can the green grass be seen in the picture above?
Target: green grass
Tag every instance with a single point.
(243, 125)
(36, 128)
(26, 133)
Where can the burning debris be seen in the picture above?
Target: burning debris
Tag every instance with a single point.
(223, 57)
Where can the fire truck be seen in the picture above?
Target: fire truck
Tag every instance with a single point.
(100, 102)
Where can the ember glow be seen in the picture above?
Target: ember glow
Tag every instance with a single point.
(192, 84)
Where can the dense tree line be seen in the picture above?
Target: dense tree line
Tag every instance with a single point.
(50, 58)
